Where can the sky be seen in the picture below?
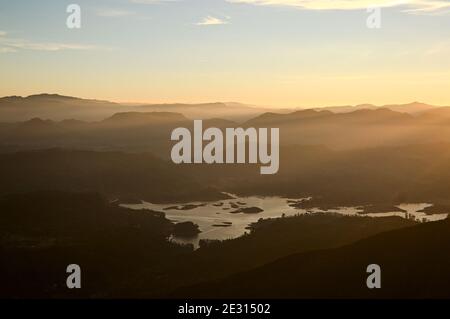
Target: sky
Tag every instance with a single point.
(280, 53)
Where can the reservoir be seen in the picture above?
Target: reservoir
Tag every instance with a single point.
(228, 219)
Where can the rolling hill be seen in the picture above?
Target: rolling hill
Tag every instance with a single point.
(413, 260)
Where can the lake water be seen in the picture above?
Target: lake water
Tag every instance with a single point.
(216, 220)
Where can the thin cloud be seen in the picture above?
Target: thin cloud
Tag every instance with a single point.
(152, 1)
(439, 48)
(430, 7)
(415, 6)
(114, 13)
(210, 20)
(13, 45)
(7, 50)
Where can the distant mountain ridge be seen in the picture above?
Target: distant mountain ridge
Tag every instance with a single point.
(411, 108)
(55, 107)
(61, 107)
(229, 111)
(148, 128)
(139, 118)
(358, 129)
(359, 116)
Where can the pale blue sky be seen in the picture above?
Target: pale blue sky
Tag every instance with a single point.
(279, 55)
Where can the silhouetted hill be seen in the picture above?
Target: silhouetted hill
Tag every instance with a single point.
(137, 131)
(140, 119)
(36, 125)
(129, 177)
(58, 107)
(381, 116)
(127, 131)
(388, 176)
(133, 128)
(42, 233)
(272, 119)
(437, 116)
(229, 111)
(413, 263)
(384, 175)
(272, 239)
(362, 128)
(125, 253)
(55, 107)
(411, 108)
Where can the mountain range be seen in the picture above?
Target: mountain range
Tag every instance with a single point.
(132, 130)
(58, 107)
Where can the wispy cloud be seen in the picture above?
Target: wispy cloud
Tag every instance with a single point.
(152, 1)
(414, 6)
(114, 13)
(210, 20)
(429, 7)
(7, 50)
(8, 45)
(439, 48)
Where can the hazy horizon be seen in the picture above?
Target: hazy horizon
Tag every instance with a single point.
(299, 107)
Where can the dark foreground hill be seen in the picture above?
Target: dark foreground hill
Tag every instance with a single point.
(414, 261)
(124, 176)
(42, 233)
(124, 253)
(268, 241)
(385, 176)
